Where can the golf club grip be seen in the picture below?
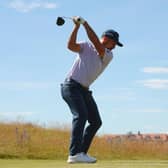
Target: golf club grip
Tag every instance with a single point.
(78, 19)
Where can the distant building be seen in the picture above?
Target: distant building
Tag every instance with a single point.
(137, 137)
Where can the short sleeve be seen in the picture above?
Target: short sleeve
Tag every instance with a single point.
(83, 46)
(108, 56)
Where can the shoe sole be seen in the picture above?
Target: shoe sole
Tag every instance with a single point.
(73, 162)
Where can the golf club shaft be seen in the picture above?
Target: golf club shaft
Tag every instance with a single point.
(65, 17)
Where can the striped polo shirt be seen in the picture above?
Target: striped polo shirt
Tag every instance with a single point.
(88, 65)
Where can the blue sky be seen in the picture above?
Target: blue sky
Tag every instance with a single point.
(131, 94)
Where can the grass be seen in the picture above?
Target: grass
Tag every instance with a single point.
(30, 141)
(100, 164)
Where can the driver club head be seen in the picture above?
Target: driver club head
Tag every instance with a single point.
(60, 21)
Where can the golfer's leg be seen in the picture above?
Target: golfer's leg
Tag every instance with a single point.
(74, 99)
(94, 123)
(78, 124)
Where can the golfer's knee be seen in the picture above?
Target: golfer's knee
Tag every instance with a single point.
(97, 124)
(80, 119)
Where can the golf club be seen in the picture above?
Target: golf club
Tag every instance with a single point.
(61, 20)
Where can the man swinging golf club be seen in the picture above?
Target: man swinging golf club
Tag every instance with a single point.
(92, 58)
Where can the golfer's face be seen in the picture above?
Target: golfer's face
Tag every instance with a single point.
(112, 44)
(108, 43)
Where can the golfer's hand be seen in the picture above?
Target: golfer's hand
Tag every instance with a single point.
(78, 19)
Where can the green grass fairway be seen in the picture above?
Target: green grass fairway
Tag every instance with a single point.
(99, 164)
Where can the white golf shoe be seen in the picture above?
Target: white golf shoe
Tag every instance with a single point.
(81, 158)
(90, 157)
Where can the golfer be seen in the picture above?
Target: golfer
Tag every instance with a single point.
(92, 58)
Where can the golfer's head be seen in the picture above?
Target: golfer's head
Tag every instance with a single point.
(110, 39)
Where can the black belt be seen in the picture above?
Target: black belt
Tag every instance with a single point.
(74, 81)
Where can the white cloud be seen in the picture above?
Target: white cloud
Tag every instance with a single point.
(23, 6)
(117, 94)
(155, 83)
(155, 69)
(20, 85)
(139, 110)
(152, 110)
(15, 114)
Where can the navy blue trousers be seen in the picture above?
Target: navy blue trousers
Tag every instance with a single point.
(84, 109)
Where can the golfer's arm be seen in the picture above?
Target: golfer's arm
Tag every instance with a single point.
(94, 39)
(72, 45)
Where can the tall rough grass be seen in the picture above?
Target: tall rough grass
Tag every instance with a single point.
(31, 141)
(27, 140)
